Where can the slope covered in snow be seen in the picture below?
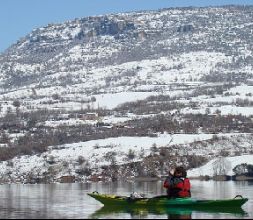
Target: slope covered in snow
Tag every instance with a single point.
(97, 91)
(221, 166)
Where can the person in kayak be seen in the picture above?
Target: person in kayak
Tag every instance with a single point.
(177, 184)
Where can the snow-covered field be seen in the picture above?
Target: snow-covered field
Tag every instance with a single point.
(224, 104)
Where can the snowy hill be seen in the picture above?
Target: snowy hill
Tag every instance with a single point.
(124, 51)
(126, 79)
(129, 52)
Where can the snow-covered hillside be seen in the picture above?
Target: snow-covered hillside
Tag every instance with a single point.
(124, 55)
(68, 160)
(94, 91)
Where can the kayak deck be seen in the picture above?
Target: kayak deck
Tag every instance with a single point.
(163, 201)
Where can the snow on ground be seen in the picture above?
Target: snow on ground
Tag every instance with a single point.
(69, 122)
(107, 100)
(111, 101)
(234, 110)
(97, 149)
(95, 152)
(220, 99)
(242, 90)
(224, 110)
(98, 153)
(214, 165)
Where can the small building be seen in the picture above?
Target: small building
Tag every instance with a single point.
(63, 117)
(67, 179)
(222, 178)
(96, 178)
(89, 116)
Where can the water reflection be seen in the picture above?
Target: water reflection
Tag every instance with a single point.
(171, 213)
(142, 213)
(71, 201)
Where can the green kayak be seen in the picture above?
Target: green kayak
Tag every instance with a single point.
(163, 201)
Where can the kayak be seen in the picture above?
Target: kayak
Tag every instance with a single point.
(164, 201)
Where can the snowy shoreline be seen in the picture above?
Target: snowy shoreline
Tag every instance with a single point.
(222, 166)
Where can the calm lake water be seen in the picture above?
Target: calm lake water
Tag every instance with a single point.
(71, 200)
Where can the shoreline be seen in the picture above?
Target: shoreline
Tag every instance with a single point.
(139, 179)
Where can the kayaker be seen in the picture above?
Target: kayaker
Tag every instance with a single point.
(177, 184)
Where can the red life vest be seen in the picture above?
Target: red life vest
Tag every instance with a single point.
(182, 189)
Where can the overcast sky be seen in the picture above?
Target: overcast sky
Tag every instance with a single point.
(19, 17)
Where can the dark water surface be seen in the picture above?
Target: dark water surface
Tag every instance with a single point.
(71, 200)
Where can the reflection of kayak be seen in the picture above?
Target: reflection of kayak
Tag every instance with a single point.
(163, 201)
(142, 212)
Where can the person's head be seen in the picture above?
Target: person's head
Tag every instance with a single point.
(180, 172)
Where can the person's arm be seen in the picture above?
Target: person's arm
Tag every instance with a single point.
(168, 182)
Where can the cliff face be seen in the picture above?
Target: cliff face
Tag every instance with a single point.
(48, 54)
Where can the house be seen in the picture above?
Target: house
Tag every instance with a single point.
(63, 117)
(89, 116)
(67, 179)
